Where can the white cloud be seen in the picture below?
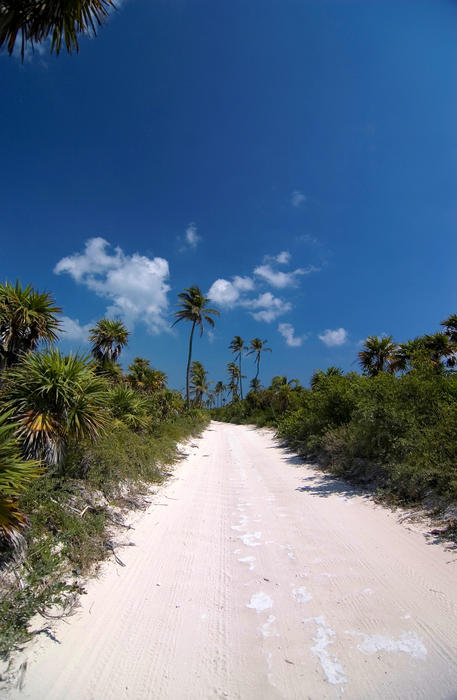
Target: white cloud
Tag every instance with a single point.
(283, 258)
(264, 307)
(277, 278)
(226, 293)
(244, 284)
(271, 307)
(297, 198)
(288, 332)
(333, 338)
(135, 285)
(192, 237)
(73, 330)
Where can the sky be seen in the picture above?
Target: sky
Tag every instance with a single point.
(296, 159)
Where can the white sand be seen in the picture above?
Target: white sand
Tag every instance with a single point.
(275, 582)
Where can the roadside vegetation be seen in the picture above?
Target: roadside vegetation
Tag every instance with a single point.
(393, 426)
(81, 441)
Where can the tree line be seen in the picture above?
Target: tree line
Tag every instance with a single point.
(393, 424)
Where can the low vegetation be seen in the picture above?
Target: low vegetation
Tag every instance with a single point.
(394, 426)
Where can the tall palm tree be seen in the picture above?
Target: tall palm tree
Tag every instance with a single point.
(62, 20)
(378, 355)
(234, 374)
(194, 308)
(27, 317)
(237, 346)
(54, 399)
(108, 337)
(258, 347)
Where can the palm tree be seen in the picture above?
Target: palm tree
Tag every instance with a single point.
(129, 408)
(237, 346)
(450, 325)
(257, 347)
(144, 377)
(194, 309)
(108, 338)
(27, 318)
(200, 384)
(378, 355)
(14, 474)
(55, 399)
(441, 348)
(62, 20)
(139, 372)
(219, 389)
(234, 374)
(320, 375)
(255, 384)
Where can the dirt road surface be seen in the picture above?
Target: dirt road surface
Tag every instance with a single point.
(256, 577)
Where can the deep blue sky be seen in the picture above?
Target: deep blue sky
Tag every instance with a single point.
(326, 129)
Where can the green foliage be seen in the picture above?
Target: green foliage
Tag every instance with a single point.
(27, 317)
(399, 432)
(15, 473)
(61, 20)
(129, 407)
(55, 398)
(108, 337)
(199, 382)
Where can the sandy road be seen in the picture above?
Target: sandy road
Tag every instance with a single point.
(256, 577)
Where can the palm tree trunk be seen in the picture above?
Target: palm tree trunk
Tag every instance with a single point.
(241, 381)
(258, 366)
(188, 365)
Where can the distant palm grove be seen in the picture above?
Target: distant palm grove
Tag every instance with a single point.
(79, 436)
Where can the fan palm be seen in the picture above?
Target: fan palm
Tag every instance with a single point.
(62, 20)
(194, 308)
(258, 347)
(441, 348)
(129, 407)
(108, 337)
(14, 474)
(378, 355)
(27, 317)
(55, 399)
(143, 377)
(237, 346)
